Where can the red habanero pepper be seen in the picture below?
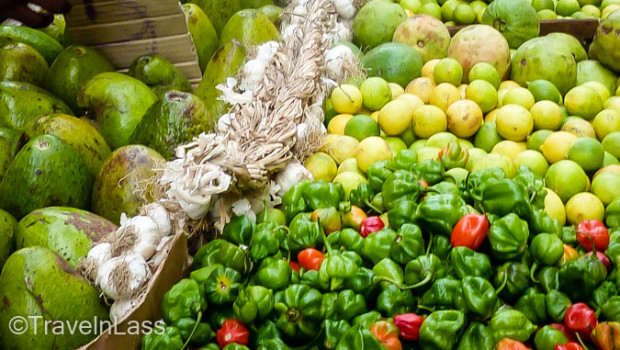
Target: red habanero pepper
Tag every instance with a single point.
(470, 231)
(589, 231)
(580, 318)
(232, 331)
(567, 332)
(310, 259)
(409, 325)
(602, 258)
(353, 218)
(294, 265)
(569, 346)
(387, 334)
(370, 225)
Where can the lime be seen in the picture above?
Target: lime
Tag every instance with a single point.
(483, 93)
(340, 147)
(443, 95)
(587, 152)
(396, 144)
(544, 90)
(458, 174)
(610, 160)
(464, 118)
(347, 98)
(330, 112)
(556, 146)
(396, 89)
(447, 9)
(546, 14)
(566, 178)
(448, 70)
(464, 14)
(432, 9)
(370, 150)
(408, 136)
(509, 148)
(487, 136)
(547, 115)
(425, 153)
(554, 207)
(395, 116)
(322, 166)
(606, 186)
(518, 96)
(611, 143)
(537, 138)
(349, 164)
(416, 145)
(579, 127)
(429, 120)
(567, 7)
(584, 206)
(428, 68)
(583, 101)
(514, 122)
(487, 72)
(533, 160)
(475, 154)
(411, 5)
(440, 139)
(375, 93)
(338, 123)
(361, 126)
(540, 5)
(421, 87)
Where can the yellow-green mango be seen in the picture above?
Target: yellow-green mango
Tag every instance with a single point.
(68, 232)
(123, 183)
(250, 27)
(175, 119)
(45, 172)
(39, 286)
(218, 12)
(21, 103)
(75, 132)
(203, 33)
(10, 142)
(8, 225)
(20, 62)
(159, 74)
(71, 69)
(225, 62)
(118, 102)
(47, 46)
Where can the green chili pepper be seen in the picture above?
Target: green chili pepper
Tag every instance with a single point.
(389, 270)
(273, 273)
(477, 337)
(363, 281)
(393, 301)
(239, 230)
(430, 170)
(612, 214)
(548, 279)
(322, 194)
(378, 245)
(183, 300)
(192, 333)
(408, 244)
(405, 160)
(293, 201)
(557, 304)
(350, 239)
(441, 294)
(253, 302)
(441, 328)
(349, 305)
(516, 278)
(424, 270)
(476, 297)
(367, 319)
(358, 338)
(402, 213)
(477, 180)
(468, 262)
(542, 222)
(299, 311)
(304, 233)
(265, 240)
(334, 331)
(505, 196)
(170, 339)
(587, 272)
(377, 173)
(548, 337)
(605, 290)
(400, 185)
(508, 237)
(610, 311)
(438, 214)
(222, 286)
(440, 246)
(510, 323)
(533, 305)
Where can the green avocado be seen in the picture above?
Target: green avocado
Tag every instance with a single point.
(45, 172)
(203, 33)
(69, 232)
(217, 13)
(159, 74)
(39, 286)
(175, 119)
(123, 183)
(20, 62)
(250, 27)
(118, 102)
(21, 103)
(47, 46)
(10, 142)
(75, 132)
(8, 225)
(56, 30)
(71, 69)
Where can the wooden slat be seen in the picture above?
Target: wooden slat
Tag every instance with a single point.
(117, 11)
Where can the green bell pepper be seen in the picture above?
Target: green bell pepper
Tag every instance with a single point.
(613, 249)
(508, 237)
(516, 278)
(510, 323)
(408, 244)
(377, 203)
(210, 346)
(304, 233)
(170, 339)
(424, 270)
(393, 301)
(309, 278)
(367, 319)
(430, 170)
(400, 185)
(388, 270)
(587, 272)
(238, 230)
(218, 314)
(548, 279)
(378, 245)
(358, 338)
(405, 160)
(202, 274)
(333, 332)
(349, 305)
(441, 329)
(183, 300)
(503, 197)
(336, 268)
(534, 184)
(377, 173)
(453, 155)
(293, 201)
(402, 213)
(222, 286)
(235, 346)
(557, 304)
(222, 252)
(438, 214)
(476, 297)
(610, 311)
(265, 240)
(362, 196)
(441, 294)
(440, 246)
(569, 235)
(477, 180)
(322, 194)
(612, 214)
(541, 222)
(444, 187)
(328, 305)
(468, 262)
(193, 334)
(605, 290)
(547, 249)
(273, 273)
(363, 281)
(548, 337)
(253, 302)
(476, 336)
(299, 313)
(265, 334)
(334, 239)
(350, 239)
(533, 305)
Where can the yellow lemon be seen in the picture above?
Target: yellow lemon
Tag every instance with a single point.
(338, 123)
(554, 207)
(601, 89)
(547, 115)
(413, 100)
(397, 90)
(395, 117)
(518, 96)
(584, 206)
(555, 147)
(347, 98)
(421, 87)
(514, 122)
(429, 120)
(464, 118)
(340, 147)
(579, 127)
(429, 68)
(322, 166)
(491, 116)
(443, 95)
(509, 148)
(370, 150)
(607, 121)
(583, 101)
(483, 93)
(508, 84)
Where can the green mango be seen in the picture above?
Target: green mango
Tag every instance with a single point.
(21, 103)
(56, 30)
(515, 19)
(39, 286)
(75, 132)
(203, 33)
(45, 172)
(159, 74)
(225, 62)
(8, 225)
(118, 103)
(250, 27)
(10, 142)
(175, 119)
(20, 62)
(69, 232)
(71, 69)
(123, 183)
(47, 46)
(273, 12)
(218, 13)
(254, 4)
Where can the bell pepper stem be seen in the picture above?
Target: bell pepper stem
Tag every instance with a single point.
(193, 330)
(533, 271)
(583, 345)
(372, 206)
(501, 286)
(419, 284)
(326, 242)
(430, 244)
(426, 308)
